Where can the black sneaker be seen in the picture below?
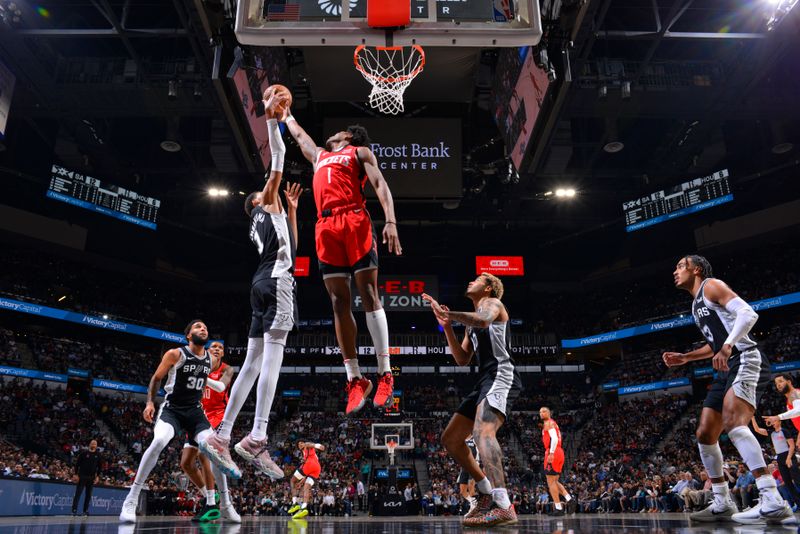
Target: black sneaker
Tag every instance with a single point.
(207, 513)
(556, 512)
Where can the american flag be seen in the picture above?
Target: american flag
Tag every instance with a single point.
(283, 12)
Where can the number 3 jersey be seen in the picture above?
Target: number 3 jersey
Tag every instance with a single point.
(187, 380)
(716, 323)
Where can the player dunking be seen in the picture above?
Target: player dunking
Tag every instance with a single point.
(304, 478)
(346, 243)
(743, 374)
(215, 398)
(186, 369)
(273, 299)
(553, 460)
(466, 484)
(484, 410)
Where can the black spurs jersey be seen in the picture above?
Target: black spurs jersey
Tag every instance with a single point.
(270, 233)
(493, 350)
(187, 379)
(715, 323)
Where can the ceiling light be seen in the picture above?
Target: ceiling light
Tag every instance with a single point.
(560, 193)
(105, 316)
(62, 298)
(569, 193)
(214, 192)
(782, 148)
(548, 193)
(223, 192)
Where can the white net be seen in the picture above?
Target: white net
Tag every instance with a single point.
(390, 70)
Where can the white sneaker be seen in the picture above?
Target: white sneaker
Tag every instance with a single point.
(229, 513)
(716, 512)
(750, 516)
(128, 513)
(778, 513)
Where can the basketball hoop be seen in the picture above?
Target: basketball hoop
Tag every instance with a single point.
(390, 70)
(391, 446)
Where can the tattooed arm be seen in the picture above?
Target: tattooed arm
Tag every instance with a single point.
(169, 359)
(482, 318)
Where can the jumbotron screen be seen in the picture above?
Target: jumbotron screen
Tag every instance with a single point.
(92, 194)
(684, 199)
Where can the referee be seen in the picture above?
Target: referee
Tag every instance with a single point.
(86, 466)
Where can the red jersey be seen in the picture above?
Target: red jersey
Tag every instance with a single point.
(215, 402)
(339, 180)
(796, 420)
(310, 456)
(546, 437)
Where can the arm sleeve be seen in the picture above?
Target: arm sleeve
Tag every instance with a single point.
(553, 439)
(317, 446)
(216, 385)
(746, 317)
(276, 146)
(791, 414)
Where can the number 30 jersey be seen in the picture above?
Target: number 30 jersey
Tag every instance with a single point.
(716, 323)
(187, 380)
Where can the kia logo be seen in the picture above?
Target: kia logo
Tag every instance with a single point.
(498, 263)
(393, 504)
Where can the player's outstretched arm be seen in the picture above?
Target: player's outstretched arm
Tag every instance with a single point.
(488, 313)
(375, 177)
(757, 428)
(292, 193)
(277, 151)
(307, 145)
(674, 359)
(169, 359)
(462, 351)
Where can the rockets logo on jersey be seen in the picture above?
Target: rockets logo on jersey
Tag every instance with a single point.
(338, 179)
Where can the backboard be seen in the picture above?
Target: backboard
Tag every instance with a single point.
(401, 433)
(435, 23)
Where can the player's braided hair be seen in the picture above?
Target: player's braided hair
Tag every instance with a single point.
(495, 283)
(248, 202)
(702, 263)
(360, 135)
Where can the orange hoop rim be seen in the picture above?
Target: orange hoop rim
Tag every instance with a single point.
(410, 76)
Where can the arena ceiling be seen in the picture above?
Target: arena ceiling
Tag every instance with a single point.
(709, 87)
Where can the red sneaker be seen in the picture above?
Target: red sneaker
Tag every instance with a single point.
(357, 390)
(383, 397)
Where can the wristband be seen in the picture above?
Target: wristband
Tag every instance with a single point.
(390, 222)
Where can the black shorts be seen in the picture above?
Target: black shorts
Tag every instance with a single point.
(499, 392)
(749, 377)
(188, 421)
(368, 261)
(274, 305)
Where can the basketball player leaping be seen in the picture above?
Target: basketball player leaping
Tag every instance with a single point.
(304, 478)
(743, 374)
(553, 460)
(215, 398)
(346, 243)
(273, 299)
(483, 411)
(186, 369)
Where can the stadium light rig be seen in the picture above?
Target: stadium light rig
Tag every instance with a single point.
(214, 192)
(777, 11)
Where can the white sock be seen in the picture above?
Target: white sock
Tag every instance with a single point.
(379, 331)
(211, 497)
(224, 498)
(136, 489)
(242, 385)
(353, 371)
(500, 496)
(768, 487)
(558, 506)
(567, 497)
(304, 505)
(711, 456)
(721, 492)
(484, 486)
(294, 500)
(748, 447)
(274, 342)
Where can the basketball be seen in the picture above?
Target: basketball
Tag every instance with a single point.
(283, 93)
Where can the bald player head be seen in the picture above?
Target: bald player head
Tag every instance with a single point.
(544, 413)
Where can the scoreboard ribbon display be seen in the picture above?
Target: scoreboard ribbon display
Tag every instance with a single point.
(90, 193)
(684, 199)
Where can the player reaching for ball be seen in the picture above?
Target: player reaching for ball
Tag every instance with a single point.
(273, 299)
(346, 245)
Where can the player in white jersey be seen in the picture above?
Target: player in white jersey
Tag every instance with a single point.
(743, 374)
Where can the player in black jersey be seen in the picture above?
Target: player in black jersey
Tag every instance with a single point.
(186, 369)
(483, 411)
(743, 374)
(273, 299)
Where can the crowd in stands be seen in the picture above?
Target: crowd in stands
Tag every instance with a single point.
(9, 353)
